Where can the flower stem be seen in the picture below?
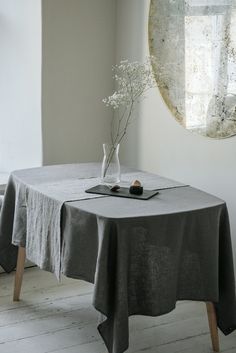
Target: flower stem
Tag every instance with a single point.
(109, 159)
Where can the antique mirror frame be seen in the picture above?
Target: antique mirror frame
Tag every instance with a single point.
(194, 46)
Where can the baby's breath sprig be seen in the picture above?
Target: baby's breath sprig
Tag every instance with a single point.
(133, 80)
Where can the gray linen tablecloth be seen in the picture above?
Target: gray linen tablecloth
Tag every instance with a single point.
(142, 256)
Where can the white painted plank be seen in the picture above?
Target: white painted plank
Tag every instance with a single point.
(60, 318)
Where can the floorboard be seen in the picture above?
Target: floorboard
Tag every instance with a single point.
(57, 317)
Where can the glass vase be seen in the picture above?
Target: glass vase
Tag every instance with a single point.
(110, 164)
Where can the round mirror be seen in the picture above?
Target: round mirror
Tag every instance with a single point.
(194, 45)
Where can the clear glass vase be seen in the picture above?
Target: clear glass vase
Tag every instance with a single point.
(110, 164)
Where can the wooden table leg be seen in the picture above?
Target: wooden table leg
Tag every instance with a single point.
(19, 273)
(213, 326)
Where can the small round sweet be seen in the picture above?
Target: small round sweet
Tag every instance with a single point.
(115, 188)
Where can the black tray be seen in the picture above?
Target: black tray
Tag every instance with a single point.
(122, 192)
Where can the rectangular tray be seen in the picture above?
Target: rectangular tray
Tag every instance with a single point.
(123, 192)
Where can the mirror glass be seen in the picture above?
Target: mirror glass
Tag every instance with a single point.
(194, 45)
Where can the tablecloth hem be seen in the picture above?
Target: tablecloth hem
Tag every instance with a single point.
(79, 277)
(227, 331)
(8, 258)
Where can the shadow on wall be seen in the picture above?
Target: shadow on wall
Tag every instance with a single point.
(131, 45)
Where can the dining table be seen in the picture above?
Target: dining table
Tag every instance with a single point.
(141, 255)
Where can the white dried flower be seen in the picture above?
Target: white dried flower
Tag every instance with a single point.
(133, 80)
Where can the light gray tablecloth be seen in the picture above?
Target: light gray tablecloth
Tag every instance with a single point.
(142, 256)
(43, 220)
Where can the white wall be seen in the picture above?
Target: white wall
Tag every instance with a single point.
(158, 143)
(20, 84)
(78, 52)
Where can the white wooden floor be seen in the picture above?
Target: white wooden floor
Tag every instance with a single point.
(59, 318)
